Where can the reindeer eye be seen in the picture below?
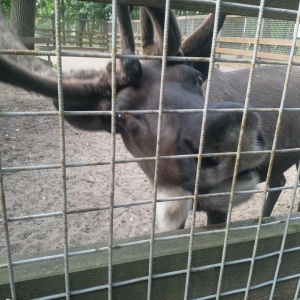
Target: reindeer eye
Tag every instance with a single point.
(120, 119)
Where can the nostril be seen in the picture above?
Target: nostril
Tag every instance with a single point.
(260, 139)
(209, 162)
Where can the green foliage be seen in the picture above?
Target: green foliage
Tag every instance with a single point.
(183, 13)
(71, 9)
(45, 8)
(93, 10)
(135, 14)
(5, 6)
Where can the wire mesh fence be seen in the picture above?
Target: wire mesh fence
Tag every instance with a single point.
(179, 260)
(96, 33)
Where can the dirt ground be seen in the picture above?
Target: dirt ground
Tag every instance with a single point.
(30, 141)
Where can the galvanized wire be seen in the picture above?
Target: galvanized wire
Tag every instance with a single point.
(164, 238)
(143, 57)
(7, 240)
(62, 147)
(134, 112)
(297, 291)
(288, 73)
(209, 232)
(273, 156)
(137, 203)
(236, 167)
(163, 275)
(243, 125)
(113, 162)
(136, 160)
(157, 154)
(197, 269)
(291, 203)
(113, 149)
(201, 146)
(256, 7)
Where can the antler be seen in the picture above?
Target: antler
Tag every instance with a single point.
(132, 68)
(152, 30)
(31, 74)
(82, 90)
(198, 44)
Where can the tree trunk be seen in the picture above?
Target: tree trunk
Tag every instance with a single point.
(22, 18)
(91, 35)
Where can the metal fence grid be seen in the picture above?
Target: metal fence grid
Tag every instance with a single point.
(62, 165)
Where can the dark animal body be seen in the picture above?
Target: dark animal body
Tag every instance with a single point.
(138, 88)
(266, 92)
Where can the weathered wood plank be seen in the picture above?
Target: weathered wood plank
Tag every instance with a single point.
(233, 65)
(249, 53)
(47, 278)
(73, 31)
(35, 40)
(228, 8)
(262, 41)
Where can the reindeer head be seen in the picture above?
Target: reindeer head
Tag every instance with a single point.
(181, 132)
(138, 88)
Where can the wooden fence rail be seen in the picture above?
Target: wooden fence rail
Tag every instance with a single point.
(81, 40)
(46, 278)
(230, 47)
(244, 48)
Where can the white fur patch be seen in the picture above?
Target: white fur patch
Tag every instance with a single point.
(171, 215)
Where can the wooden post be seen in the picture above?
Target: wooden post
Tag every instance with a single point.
(48, 47)
(91, 33)
(53, 32)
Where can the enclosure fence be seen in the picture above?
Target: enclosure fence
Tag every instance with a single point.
(237, 33)
(243, 260)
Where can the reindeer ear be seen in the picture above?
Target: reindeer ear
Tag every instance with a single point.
(152, 29)
(198, 44)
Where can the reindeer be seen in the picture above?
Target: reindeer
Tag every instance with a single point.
(138, 88)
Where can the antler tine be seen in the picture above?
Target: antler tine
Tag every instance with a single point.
(124, 21)
(132, 67)
(147, 33)
(30, 73)
(78, 87)
(152, 29)
(18, 75)
(199, 42)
